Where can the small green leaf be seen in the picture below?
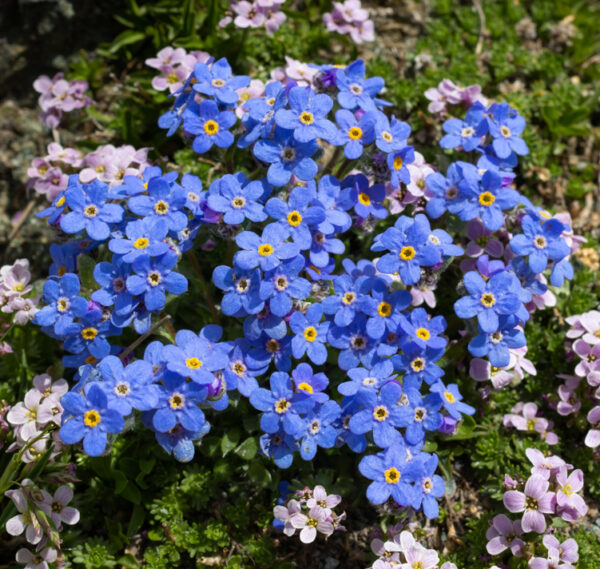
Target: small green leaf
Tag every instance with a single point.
(230, 440)
(86, 266)
(248, 449)
(259, 474)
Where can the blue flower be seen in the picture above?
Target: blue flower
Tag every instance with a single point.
(128, 387)
(266, 349)
(217, 81)
(144, 237)
(452, 400)
(90, 419)
(487, 199)
(322, 245)
(265, 321)
(242, 290)
(64, 259)
(397, 162)
(561, 271)
(540, 242)
(367, 379)
(505, 126)
(390, 136)
(59, 203)
(354, 90)
(210, 125)
(237, 203)
(320, 430)
(450, 192)
(287, 156)
(348, 301)
(163, 202)
(419, 414)
(153, 278)
(497, 344)
(112, 277)
(467, 133)
(89, 335)
(358, 443)
(283, 284)
(384, 313)
(266, 251)
(418, 364)
(422, 330)
(409, 246)
(178, 404)
(297, 216)
(90, 211)
(281, 406)
(64, 304)
(353, 133)
(355, 344)
(381, 414)
(237, 374)
(310, 334)
(311, 383)
(306, 116)
(428, 487)
(193, 356)
(392, 475)
(335, 204)
(489, 299)
(195, 197)
(367, 199)
(280, 447)
(261, 113)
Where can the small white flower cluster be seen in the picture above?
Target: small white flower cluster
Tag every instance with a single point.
(15, 297)
(310, 512)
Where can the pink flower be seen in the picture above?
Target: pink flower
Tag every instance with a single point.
(569, 402)
(315, 521)
(59, 511)
(418, 556)
(535, 501)
(284, 513)
(550, 562)
(424, 294)
(567, 549)
(38, 560)
(569, 503)
(320, 499)
(300, 72)
(504, 534)
(24, 309)
(47, 388)
(590, 357)
(26, 520)
(542, 465)
(24, 414)
(482, 241)
(255, 89)
(592, 439)
(70, 156)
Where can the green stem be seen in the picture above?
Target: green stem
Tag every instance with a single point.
(151, 331)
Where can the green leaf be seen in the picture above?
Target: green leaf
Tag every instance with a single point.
(86, 266)
(125, 38)
(248, 449)
(230, 440)
(137, 519)
(259, 474)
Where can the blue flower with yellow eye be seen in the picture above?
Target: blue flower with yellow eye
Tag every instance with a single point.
(310, 334)
(142, 237)
(506, 126)
(266, 349)
(354, 133)
(209, 125)
(397, 163)
(266, 251)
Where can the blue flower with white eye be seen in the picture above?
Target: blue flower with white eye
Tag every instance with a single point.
(306, 115)
(397, 163)
(440, 239)
(178, 405)
(217, 81)
(297, 216)
(89, 418)
(280, 447)
(209, 125)
(505, 126)
(320, 430)
(467, 133)
(367, 199)
(356, 92)
(390, 136)
(143, 237)
(310, 334)
(128, 387)
(279, 286)
(90, 211)
(163, 202)
(287, 156)
(267, 251)
(392, 474)
(450, 192)
(64, 304)
(367, 379)
(452, 399)
(193, 356)
(354, 133)
(153, 278)
(266, 349)
(242, 290)
(112, 277)
(237, 203)
(540, 242)
(355, 345)
(281, 406)
(487, 300)
(419, 414)
(428, 486)
(260, 117)
(237, 373)
(486, 199)
(320, 248)
(496, 346)
(409, 246)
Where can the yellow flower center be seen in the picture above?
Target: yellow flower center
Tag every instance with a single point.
(91, 360)
(380, 413)
(384, 309)
(141, 243)
(239, 368)
(392, 476)
(418, 364)
(348, 298)
(217, 83)
(193, 363)
(122, 389)
(398, 163)
(486, 199)
(172, 78)
(265, 250)
(307, 118)
(387, 136)
(211, 127)
(272, 346)
(161, 207)
(176, 401)
(364, 198)
(310, 334)
(407, 253)
(488, 299)
(89, 333)
(355, 133)
(423, 333)
(282, 406)
(60, 202)
(294, 218)
(90, 211)
(305, 387)
(62, 304)
(568, 490)
(505, 131)
(449, 397)
(91, 418)
(154, 278)
(540, 242)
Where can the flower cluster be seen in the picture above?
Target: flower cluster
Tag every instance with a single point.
(549, 490)
(49, 175)
(402, 551)
(349, 17)
(58, 96)
(175, 66)
(310, 512)
(18, 302)
(255, 14)
(525, 417)
(448, 93)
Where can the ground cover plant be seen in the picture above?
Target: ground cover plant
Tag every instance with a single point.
(306, 284)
